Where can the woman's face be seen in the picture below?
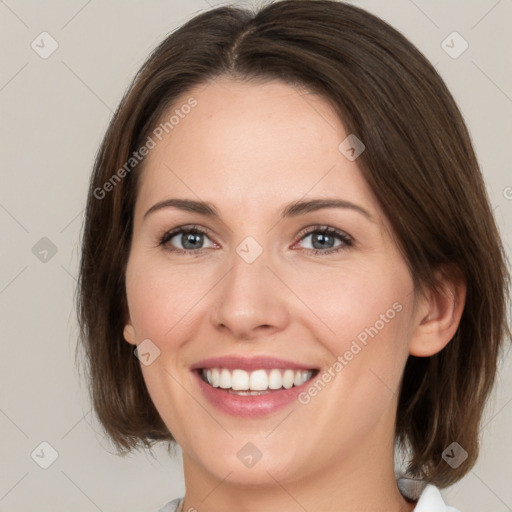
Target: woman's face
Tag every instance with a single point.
(261, 297)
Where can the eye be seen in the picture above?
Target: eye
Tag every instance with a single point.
(326, 240)
(191, 239)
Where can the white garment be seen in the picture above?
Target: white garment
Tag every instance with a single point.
(172, 506)
(428, 496)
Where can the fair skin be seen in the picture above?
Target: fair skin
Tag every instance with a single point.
(249, 150)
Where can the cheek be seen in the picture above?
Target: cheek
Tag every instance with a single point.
(161, 299)
(161, 303)
(367, 311)
(351, 300)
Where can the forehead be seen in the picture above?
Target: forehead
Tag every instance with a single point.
(243, 143)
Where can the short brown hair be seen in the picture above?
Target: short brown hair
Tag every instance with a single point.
(419, 162)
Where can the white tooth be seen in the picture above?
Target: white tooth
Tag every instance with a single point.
(225, 379)
(288, 379)
(239, 380)
(275, 380)
(215, 380)
(258, 380)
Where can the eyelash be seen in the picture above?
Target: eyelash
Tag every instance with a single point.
(324, 230)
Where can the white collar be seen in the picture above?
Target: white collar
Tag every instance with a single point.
(428, 496)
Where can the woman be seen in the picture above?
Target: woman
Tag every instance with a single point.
(290, 266)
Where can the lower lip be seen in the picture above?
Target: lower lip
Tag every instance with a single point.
(249, 406)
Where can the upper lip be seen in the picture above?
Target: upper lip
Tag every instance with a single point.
(249, 363)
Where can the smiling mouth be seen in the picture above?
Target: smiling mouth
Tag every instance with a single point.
(256, 382)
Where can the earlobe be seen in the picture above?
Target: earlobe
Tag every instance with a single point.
(129, 333)
(439, 315)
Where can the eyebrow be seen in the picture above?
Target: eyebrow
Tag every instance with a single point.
(293, 209)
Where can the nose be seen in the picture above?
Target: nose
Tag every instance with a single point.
(250, 302)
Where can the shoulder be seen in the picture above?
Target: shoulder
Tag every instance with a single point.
(172, 506)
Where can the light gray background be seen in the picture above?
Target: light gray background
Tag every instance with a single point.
(54, 113)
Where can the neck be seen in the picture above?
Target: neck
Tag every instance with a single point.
(364, 481)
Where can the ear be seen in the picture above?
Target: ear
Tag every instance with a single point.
(129, 332)
(438, 313)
